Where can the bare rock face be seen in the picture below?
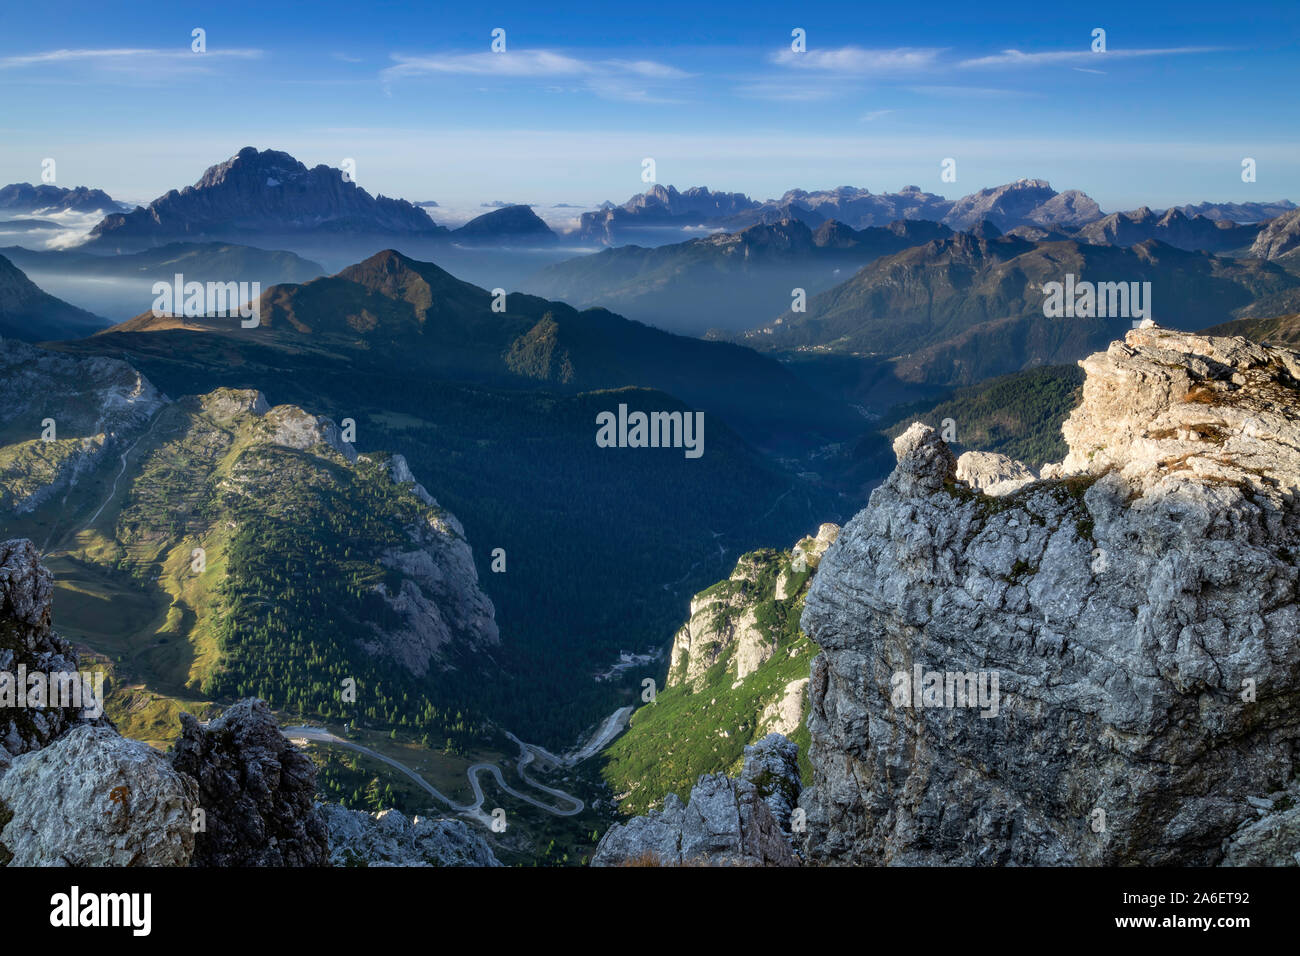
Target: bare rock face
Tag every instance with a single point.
(1278, 237)
(772, 766)
(94, 407)
(256, 791)
(1097, 668)
(1273, 839)
(95, 798)
(29, 645)
(388, 838)
(726, 822)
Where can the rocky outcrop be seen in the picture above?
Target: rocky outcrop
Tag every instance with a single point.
(726, 821)
(1098, 668)
(256, 790)
(95, 798)
(772, 766)
(388, 838)
(992, 473)
(725, 618)
(29, 645)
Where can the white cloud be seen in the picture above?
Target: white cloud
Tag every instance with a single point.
(874, 115)
(968, 91)
(109, 56)
(787, 92)
(856, 61)
(1019, 58)
(525, 63)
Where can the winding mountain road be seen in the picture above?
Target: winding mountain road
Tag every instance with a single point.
(473, 810)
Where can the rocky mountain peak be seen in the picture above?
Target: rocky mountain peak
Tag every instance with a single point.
(264, 193)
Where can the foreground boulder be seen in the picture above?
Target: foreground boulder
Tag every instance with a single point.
(95, 798)
(256, 789)
(726, 822)
(1099, 667)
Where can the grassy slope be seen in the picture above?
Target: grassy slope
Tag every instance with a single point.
(691, 729)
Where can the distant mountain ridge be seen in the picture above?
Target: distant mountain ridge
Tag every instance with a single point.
(1238, 211)
(727, 279)
(1174, 228)
(1027, 204)
(24, 198)
(1026, 201)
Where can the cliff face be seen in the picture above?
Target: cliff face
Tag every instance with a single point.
(1097, 667)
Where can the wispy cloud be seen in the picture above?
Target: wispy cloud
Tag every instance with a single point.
(110, 56)
(856, 61)
(969, 91)
(525, 63)
(788, 92)
(1020, 58)
(874, 115)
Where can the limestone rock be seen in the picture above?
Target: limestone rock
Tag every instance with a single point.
(992, 473)
(1272, 840)
(1138, 606)
(256, 789)
(772, 766)
(95, 798)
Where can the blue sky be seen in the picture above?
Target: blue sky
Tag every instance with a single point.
(714, 93)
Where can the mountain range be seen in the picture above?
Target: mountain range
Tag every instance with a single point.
(1032, 205)
(957, 310)
(391, 309)
(45, 199)
(726, 279)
